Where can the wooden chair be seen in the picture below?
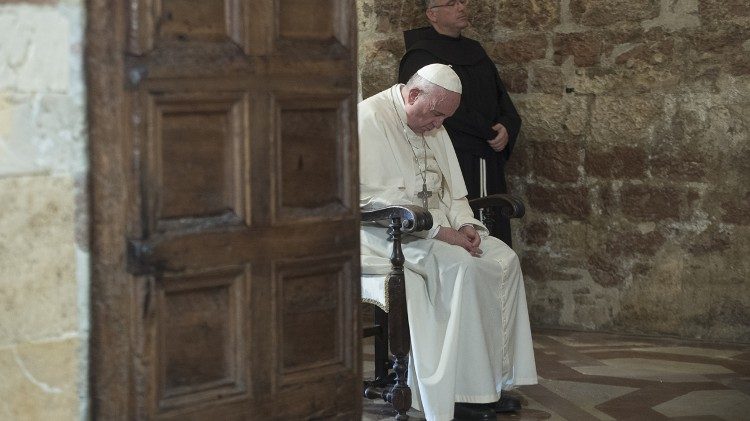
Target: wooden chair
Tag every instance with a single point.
(388, 295)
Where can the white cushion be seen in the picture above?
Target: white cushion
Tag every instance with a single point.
(374, 291)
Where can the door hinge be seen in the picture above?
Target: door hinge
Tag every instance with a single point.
(139, 260)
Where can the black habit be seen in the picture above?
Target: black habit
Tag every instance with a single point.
(484, 103)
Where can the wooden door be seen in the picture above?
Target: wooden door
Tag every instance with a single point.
(225, 232)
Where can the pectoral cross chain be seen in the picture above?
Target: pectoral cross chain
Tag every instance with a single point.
(424, 195)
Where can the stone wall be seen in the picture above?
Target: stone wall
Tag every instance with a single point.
(43, 241)
(634, 157)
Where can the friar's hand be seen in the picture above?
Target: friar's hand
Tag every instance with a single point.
(501, 140)
(457, 238)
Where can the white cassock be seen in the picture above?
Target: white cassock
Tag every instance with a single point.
(468, 318)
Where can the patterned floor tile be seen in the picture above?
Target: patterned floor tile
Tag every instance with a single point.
(603, 376)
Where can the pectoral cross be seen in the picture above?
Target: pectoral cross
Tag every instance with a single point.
(424, 195)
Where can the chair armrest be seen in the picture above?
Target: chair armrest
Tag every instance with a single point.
(510, 206)
(413, 218)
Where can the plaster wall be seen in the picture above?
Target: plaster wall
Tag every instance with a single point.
(44, 275)
(634, 156)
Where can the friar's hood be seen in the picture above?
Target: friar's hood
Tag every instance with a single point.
(459, 51)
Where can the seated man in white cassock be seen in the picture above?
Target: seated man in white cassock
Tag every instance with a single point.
(465, 296)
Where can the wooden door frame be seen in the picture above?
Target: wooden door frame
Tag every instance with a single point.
(109, 366)
(113, 388)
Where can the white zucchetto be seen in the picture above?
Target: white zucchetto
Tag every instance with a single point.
(441, 75)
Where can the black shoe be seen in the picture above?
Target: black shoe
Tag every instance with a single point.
(474, 411)
(508, 403)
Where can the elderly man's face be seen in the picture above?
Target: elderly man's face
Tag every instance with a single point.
(425, 112)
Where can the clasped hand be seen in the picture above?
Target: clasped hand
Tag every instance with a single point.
(501, 140)
(466, 237)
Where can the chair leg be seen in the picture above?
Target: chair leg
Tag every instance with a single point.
(382, 361)
(398, 325)
(397, 333)
(400, 394)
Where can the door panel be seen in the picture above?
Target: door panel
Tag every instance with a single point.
(178, 23)
(313, 295)
(307, 19)
(193, 20)
(197, 157)
(308, 173)
(237, 284)
(200, 347)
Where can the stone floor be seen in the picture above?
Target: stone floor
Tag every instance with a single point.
(599, 376)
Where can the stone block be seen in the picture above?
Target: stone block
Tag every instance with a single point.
(631, 242)
(617, 120)
(735, 208)
(608, 200)
(728, 38)
(606, 12)
(557, 161)
(719, 12)
(688, 295)
(515, 78)
(543, 116)
(482, 16)
(520, 50)
(35, 54)
(675, 164)
(37, 2)
(377, 60)
(381, 16)
(570, 238)
(545, 309)
(37, 259)
(604, 39)
(698, 117)
(524, 14)
(552, 117)
(412, 14)
(585, 47)
(572, 202)
(655, 53)
(616, 162)
(739, 64)
(712, 240)
(727, 317)
(6, 117)
(578, 115)
(521, 159)
(676, 15)
(712, 51)
(39, 381)
(52, 141)
(656, 203)
(685, 147)
(605, 271)
(640, 79)
(547, 80)
(536, 233)
(653, 299)
(543, 267)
